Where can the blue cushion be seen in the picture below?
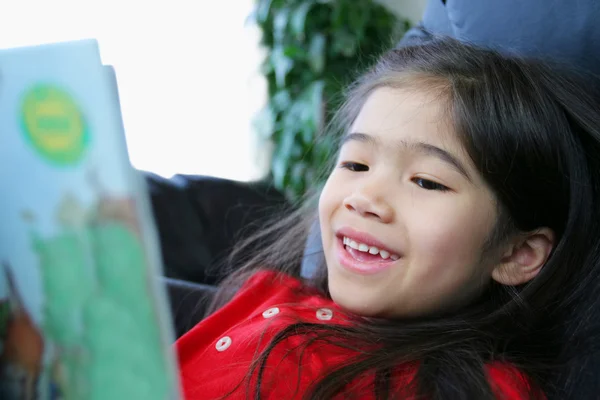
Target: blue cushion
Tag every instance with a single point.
(313, 252)
(565, 31)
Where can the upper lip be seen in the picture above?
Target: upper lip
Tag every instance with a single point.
(363, 237)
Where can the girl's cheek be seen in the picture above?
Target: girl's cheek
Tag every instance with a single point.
(443, 233)
(330, 196)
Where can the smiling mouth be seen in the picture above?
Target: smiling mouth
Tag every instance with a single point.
(367, 253)
(360, 260)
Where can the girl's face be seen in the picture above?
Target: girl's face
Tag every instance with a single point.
(404, 215)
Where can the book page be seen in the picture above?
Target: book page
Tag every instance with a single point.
(81, 315)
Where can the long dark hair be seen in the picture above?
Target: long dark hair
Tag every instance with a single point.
(534, 135)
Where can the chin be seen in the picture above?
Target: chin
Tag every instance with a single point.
(355, 304)
(354, 296)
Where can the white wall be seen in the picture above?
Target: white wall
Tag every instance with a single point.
(187, 73)
(411, 9)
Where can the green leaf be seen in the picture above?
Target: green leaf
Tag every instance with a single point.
(298, 149)
(282, 159)
(316, 93)
(337, 17)
(287, 144)
(344, 43)
(308, 134)
(279, 170)
(310, 175)
(358, 17)
(264, 123)
(324, 151)
(281, 100)
(311, 104)
(297, 176)
(280, 22)
(281, 65)
(291, 120)
(299, 19)
(262, 10)
(293, 51)
(266, 66)
(316, 52)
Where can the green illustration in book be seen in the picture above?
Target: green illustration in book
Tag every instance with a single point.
(97, 316)
(54, 124)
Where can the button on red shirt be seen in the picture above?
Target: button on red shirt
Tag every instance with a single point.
(215, 356)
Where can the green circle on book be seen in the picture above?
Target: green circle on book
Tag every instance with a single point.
(54, 124)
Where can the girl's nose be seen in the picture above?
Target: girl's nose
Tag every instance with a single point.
(369, 206)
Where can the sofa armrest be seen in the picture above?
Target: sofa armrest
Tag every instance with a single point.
(200, 219)
(188, 302)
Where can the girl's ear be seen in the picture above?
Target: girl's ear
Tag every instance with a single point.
(524, 258)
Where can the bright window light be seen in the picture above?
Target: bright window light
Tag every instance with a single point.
(187, 73)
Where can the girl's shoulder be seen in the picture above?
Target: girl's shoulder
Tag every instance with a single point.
(273, 285)
(216, 355)
(508, 382)
(257, 299)
(267, 278)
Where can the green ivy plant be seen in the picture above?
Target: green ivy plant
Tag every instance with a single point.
(314, 49)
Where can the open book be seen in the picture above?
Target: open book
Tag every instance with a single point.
(82, 315)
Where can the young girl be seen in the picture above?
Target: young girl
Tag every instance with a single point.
(460, 237)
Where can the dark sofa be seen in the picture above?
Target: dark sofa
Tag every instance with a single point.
(199, 220)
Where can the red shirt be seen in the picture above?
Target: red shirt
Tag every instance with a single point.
(215, 356)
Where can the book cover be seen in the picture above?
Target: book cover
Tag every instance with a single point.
(81, 312)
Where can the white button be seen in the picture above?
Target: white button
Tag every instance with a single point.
(324, 314)
(223, 343)
(271, 312)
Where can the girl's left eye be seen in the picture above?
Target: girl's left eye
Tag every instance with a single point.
(430, 185)
(354, 167)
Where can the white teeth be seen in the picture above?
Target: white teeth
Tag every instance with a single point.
(369, 249)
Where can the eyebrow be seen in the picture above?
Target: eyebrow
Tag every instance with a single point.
(421, 147)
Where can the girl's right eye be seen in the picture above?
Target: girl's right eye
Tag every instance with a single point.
(354, 167)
